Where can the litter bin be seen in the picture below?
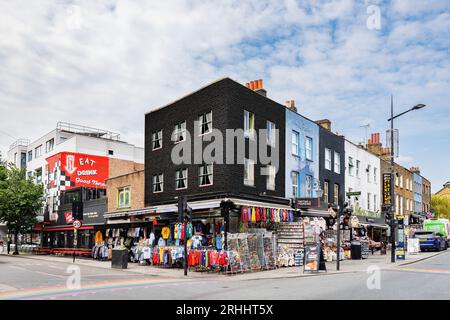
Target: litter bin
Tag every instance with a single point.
(356, 250)
(119, 259)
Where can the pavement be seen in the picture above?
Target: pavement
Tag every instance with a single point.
(30, 277)
(346, 266)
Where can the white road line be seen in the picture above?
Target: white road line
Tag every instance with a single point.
(5, 287)
(50, 274)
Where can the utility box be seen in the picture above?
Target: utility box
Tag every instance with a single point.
(119, 259)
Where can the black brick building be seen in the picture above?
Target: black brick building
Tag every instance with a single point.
(331, 165)
(226, 100)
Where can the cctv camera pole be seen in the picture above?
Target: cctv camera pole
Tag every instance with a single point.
(392, 186)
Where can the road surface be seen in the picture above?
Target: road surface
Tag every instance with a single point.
(24, 278)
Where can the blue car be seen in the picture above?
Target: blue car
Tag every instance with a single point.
(430, 240)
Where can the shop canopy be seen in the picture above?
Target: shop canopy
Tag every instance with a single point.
(315, 213)
(195, 205)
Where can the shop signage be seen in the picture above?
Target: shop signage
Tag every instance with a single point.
(312, 256)
(387, 189)
(400, 250)
(305, 203)
(72, 170)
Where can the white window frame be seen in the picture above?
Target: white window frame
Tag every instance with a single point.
(295, 143)
(308, 186)
(49, 145)
(249, 125)
(270, 126)
(358, 166)
(336, 194)
(36, 153)
(401, 181)
(369, 167)
(158, 179)
(124, 191)
(309, 147)
(294, 181)
(202, 174)
(326, 192)
(249, 172)
(375, 205)
(183, 177)
(328, 159)
(368, 200)
(351, 167)
(180, 132)
(337, 162)
(270, 182)
(157, 136)
(204, 121)
(375, 175)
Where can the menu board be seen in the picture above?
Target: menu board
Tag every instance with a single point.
(312, 256)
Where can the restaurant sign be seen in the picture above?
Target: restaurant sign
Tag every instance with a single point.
(387, 189)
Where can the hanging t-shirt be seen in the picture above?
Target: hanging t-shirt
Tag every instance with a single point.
(151, 239)
(175, 231)
(253, 215)
(165, 232)
(190, 230)
(219, 242)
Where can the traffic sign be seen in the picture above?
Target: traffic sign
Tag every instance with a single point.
(354, 193)
(77, 224)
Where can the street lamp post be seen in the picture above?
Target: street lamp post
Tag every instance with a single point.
(392, 209)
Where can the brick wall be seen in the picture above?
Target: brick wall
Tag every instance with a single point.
(119, 167)
(135, 181)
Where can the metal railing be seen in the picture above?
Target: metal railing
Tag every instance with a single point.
(88, 131)
(20, 142)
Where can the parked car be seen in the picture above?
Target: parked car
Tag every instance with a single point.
(430, 240)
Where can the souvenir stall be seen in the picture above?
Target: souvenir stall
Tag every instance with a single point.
(137, 237)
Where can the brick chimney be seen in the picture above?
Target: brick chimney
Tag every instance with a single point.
(257, 86)
(291, 105)
(374, 145)
(325, 123)
(415, 170)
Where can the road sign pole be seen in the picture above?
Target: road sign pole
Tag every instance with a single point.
(74, 242)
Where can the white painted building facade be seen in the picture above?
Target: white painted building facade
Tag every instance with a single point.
(69, 138)
(362, 174)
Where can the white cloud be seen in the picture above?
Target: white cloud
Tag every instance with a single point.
(129, 57)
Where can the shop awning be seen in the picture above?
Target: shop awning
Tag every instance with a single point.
(315, 213)
(377, 225)
(118, 221)
(68, 228)
(250, 203)
(127, 213)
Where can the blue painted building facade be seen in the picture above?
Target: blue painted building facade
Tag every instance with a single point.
(301, 157)
(417, 193)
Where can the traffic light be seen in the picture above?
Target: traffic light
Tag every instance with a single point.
(388, 219)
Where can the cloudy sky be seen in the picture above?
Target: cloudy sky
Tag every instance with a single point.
(106, 63)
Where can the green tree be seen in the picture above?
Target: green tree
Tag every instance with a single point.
(20, 201)
(441, 206)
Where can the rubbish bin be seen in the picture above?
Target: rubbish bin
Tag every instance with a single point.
(119, 259)
(356, 250)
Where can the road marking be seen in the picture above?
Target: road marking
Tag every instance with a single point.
(5, 287)
(50, 274)
(420, 270)
(87, 288)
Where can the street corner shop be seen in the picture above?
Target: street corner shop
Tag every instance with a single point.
(254, 236)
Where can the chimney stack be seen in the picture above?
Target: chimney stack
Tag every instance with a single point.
(291, 105)
(257, 86)
(325, 123)
(415, 170)
(374, 145)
